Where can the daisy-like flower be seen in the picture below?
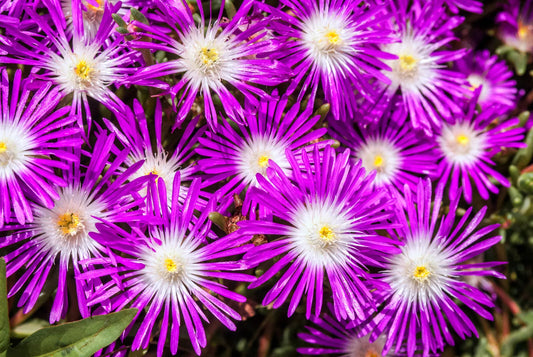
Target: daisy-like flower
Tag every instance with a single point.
(429, 89)
(327, 227)
(329, 336)
(426, 279)
(465, 148)
(333, 45)
(212, 59)
(516, 25)
(79, 67)
(172, 272)
(238, 153)
(134, 133)
(390, 147)
(494, 78)
(32, 134)
(59, 236)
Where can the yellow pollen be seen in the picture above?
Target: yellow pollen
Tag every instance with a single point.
(263, 161)
(378, 161)
(3, 147)
(171, 265)
(154, 172)
(83, 70)
(421, 273)
(95, 8)
(326, 234)
(69, 223)
(333, 37)
(462, 139)
(371, 353)
(523, 30)
(407, 62)
(209, 56)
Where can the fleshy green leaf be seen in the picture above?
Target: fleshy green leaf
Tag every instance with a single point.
(4, 313)
(79, 338)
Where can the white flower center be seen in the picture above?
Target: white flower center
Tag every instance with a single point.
(383, 157)
(415, 67)
(420, 271)
(15, 149)
(171, 266)
(207, 59)
(322, 234)
(361, 347)
(327, 38)
(461, 143)
(65, 228)
(158, 164)
(254, 155)
(475, 80)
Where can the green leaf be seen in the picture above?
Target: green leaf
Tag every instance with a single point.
(76, 339)
(27, 328)
(138, 16)
(519, 60)
(4, 312)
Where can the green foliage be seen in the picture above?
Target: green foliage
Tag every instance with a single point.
(4, 311)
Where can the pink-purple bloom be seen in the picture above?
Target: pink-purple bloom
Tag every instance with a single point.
(169, 270)
(426, 278)
(60, 235)
(324, 238)
(34, 134)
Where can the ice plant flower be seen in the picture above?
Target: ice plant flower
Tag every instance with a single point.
(212, 59)
(238, 153)
(327, 233)
(516, 25)
(146, 145)
(329, 336)
(467, 5)
(429, 89)
(333, 45)
(32, 135)
(426, 279)
(390, 147)
(79, 67)
(466, 146)
(59, 235)
(494, 78)
(170, 272)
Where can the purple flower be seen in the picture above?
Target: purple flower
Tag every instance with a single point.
(466, 146)
(79, 66)
(60, 234)
(494, 77)
(237, 153)
(170, 271)
(327, 233)
(468, 5)
(213, 59)
(429, 89)
(390, 147)
(134, 133)
(330, 336)
(32, 134)
(333, 45)
(516, 25)
(426, 279)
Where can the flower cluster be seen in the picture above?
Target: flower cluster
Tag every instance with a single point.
(334, 159)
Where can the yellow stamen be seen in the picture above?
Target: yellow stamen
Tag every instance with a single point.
(523, 30)
(171, 265)
(209, 56)
(154, 172)
(95, 8)
(83, 70)
(378, 161)
(263, 161)
(326, 234)
(333, 37)
(407, 62)
(421, 273)
(462, 139)
(371, 353)
(3, 147)
(69, 223)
